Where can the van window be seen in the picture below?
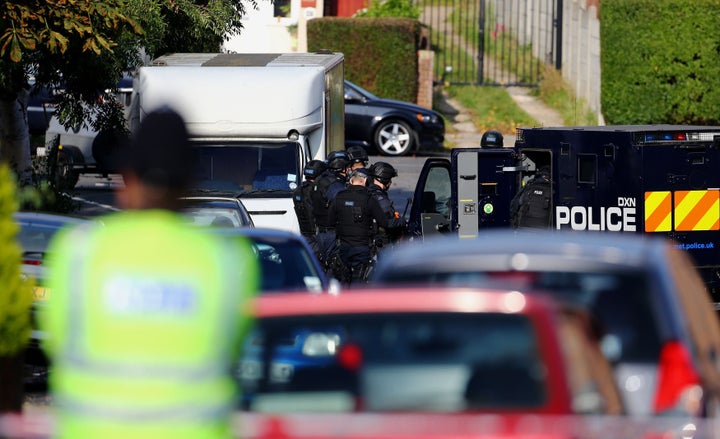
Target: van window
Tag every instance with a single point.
(587, 168)
(438, 182)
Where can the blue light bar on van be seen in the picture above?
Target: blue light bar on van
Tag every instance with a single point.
(664, 137)
(678, 136)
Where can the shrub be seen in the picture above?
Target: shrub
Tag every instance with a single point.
(660, 61)
(15, 290)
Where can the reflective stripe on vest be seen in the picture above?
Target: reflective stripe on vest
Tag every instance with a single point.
(185, 413)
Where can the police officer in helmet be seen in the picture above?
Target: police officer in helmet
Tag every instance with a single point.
(324, 190)
(491, 139)
(354, 213)
(302, 200)
(382, 174)
(358, 157)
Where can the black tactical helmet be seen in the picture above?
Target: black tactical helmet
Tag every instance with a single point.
(338, 160)
(382, 171)
(491, 139)
(314, 168)
(357, 154)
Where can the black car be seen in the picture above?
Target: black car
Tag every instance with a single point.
(392, 128)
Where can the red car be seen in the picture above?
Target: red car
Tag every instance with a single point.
(422, 350)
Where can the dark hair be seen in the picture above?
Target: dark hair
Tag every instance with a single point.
(159, 153)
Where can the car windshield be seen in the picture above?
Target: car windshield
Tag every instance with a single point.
(248, 167)
(216, 217)
(612, 297)
(444, 362)
(286, 265)
(36, 237)
(355, 92)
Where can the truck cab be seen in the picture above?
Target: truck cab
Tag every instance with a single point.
(648, 179)
(255, 119)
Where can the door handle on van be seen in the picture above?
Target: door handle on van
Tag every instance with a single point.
(468, 177)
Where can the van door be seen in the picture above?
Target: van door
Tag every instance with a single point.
(485, 181)
(431, 209)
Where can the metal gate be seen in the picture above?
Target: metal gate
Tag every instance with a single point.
(493, 42)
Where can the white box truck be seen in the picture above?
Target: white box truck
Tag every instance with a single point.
(256, 119)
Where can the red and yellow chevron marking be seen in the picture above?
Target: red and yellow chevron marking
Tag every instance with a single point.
(658, 211)
(697, 210)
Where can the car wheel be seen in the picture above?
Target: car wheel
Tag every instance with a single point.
(394, 138)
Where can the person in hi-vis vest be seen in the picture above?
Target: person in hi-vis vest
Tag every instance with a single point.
(147, 313)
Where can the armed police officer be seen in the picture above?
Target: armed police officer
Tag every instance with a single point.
(302, 200)
(325, 189)
(390, 232)
(354, 213)
(358, 157)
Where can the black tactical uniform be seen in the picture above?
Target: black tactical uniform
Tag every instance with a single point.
(391, 232)
(354, 213)
(302, 199)
(530, 207)
(326, 187)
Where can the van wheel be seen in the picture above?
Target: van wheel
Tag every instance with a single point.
(65, 178)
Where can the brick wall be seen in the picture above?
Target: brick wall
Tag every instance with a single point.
(425, 78)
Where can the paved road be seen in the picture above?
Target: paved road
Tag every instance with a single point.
(94, 194)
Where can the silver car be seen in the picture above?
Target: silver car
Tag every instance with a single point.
(658, 324)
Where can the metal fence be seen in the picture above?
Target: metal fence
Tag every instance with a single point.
(493, 42)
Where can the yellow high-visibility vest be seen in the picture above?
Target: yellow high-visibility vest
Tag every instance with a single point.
(145, 318)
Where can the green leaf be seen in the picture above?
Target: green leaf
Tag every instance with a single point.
(15, 51)
(59, 41)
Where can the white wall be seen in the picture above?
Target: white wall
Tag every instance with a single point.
(581, 51)
(263, 32)
(532, 21)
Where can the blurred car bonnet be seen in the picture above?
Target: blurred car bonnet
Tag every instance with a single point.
(661, 331)
(423, 350)
(287, 262)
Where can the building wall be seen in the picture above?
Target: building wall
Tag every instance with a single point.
(532, 22)
(581, 50)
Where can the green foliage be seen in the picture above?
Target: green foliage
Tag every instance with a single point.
(390, 8)
(380, 53)
(554, 91)
(15, 293)
(660, 61)
(87, 46)
(491, 108)
(42, 195)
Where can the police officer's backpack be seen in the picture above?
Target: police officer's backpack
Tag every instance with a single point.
(531, 206)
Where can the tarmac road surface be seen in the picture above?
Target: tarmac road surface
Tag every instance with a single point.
(95, 194)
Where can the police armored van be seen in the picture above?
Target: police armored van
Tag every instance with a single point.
(653, 179)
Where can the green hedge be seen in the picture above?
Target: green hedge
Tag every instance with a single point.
(380, 53)
(660, 61)
(15, 291)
